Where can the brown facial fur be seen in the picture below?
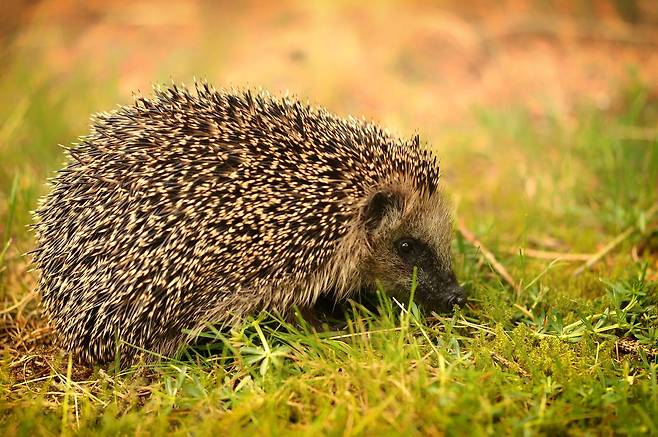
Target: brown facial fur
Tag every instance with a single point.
(421, 217)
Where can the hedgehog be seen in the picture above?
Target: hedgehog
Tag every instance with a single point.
(199, 206)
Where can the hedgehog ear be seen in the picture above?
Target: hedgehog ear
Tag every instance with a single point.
(379, 205)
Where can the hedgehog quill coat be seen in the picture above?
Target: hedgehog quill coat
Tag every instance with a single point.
(189, 208)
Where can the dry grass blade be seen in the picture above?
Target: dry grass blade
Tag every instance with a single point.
(638, 133)
(632, 346)
(27, 298)
(486, 253)
(614, 243)
(513, 366)
(548, 254)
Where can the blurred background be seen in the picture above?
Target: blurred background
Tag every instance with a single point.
(421, 61)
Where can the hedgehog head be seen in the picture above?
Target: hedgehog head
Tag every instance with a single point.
(407, 228)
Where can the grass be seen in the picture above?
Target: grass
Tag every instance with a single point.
(558, 353)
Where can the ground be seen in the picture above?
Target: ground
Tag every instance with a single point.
(543, 114)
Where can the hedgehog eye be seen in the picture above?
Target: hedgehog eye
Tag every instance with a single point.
(406, 248)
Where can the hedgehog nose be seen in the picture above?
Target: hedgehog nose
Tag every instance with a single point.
(458, 298)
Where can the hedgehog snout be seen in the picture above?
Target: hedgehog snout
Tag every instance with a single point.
(457, 297)
(440, 291)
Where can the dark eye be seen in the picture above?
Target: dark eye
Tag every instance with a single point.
(407, 249)
(405, 246)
